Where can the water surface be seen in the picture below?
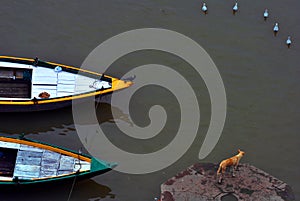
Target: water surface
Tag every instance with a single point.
(260, 74)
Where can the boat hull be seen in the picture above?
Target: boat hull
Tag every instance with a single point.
(32, 107)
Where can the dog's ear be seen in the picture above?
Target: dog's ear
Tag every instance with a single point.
(239, 150)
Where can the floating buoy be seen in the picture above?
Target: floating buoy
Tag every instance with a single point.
(288, 42)
(204, 8)
(266, 14)
(235, 8)
(276, 28)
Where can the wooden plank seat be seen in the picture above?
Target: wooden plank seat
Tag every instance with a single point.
(15, 89)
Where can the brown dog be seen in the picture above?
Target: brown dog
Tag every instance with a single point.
(233, 161)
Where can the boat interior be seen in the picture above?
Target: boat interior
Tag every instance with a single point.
(30, 163)
(15, 83)
(7, 162)
(22, 81)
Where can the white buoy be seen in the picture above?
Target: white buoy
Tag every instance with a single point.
(289, 41)
(266, 14)
(276, 28)
(235, 8)
(204, 8)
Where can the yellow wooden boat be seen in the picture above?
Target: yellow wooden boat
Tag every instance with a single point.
(33, 85)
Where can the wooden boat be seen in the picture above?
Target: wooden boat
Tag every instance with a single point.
(32, 85)
(24, 161)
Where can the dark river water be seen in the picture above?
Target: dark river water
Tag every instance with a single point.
(260, 75)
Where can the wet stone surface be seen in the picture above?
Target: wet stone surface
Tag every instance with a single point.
(199, 182)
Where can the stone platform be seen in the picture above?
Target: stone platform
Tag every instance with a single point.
(199, 182)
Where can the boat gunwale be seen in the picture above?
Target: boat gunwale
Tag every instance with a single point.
(46, 146)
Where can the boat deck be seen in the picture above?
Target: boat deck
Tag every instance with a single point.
(28, 82)
(36, 163)
(59, 84)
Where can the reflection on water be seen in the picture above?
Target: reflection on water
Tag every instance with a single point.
(35, 122)
(93, 191)
(83, 190)
(60, 120)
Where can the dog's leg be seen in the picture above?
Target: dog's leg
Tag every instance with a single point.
(233, 168)
(220, 175)
(237, 164)
(220, 178)
(223, 169)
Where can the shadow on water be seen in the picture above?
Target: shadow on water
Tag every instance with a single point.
(38, 122)
(35, 122)
(82, 190)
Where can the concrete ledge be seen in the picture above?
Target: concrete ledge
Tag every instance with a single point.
(199, 182)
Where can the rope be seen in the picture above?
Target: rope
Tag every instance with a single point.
(72, 188)
(98, 101)
(74, 180)
(99, 96)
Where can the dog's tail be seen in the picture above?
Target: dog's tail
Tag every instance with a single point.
(219, 169)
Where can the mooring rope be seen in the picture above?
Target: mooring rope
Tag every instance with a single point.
(74, 180)
(72, 188)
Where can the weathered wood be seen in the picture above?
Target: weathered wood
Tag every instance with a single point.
(27, 168)
(66, 163)
(30, 171)
(30, 148)
(13, 89)
(50, 155)
(50, 166)
(62, 172)
(28, 160)
(25, 157)
(50, 163)
(29, 154)
(9, 145)
(47, 173)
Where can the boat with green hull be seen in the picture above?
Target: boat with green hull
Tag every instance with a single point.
(25, 162)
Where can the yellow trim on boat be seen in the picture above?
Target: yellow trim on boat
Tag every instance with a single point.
(47, 147)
